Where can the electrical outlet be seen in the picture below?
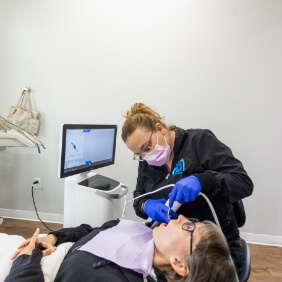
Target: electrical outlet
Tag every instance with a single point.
(37, 185)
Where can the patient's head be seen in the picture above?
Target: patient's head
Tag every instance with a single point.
(207, 260)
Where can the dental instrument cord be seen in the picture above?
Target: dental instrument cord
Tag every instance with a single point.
(140, 196)
(211, 208)
(171, 185)
(216, 219)
(35, 182)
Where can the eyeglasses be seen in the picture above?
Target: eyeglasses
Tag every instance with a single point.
(147, 149)
(190, 227)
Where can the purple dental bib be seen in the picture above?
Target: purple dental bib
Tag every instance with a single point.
(129, 244)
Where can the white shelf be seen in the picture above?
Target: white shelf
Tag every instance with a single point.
(14, 139)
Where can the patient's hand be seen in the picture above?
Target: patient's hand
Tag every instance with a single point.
(27, 246)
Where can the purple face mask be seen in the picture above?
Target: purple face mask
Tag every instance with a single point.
(160, 154)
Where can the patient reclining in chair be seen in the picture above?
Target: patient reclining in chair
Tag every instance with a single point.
(124, 250)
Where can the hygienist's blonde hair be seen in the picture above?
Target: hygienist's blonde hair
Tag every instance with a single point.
(143, 116)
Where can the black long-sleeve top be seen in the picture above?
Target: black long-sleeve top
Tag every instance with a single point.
(223, 178)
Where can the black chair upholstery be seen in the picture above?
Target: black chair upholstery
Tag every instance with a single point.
(245, 275)
(240, 215)
(239, 212)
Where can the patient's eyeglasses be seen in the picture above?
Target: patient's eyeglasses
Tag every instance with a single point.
(147, 149)
(190, 227)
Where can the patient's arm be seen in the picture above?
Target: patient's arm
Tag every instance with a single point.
(47, 243)
(26, 267)
(55, 238)
(71, 234)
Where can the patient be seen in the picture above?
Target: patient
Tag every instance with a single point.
(124, 250)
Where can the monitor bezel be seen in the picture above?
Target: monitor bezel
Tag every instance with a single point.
(64, 128)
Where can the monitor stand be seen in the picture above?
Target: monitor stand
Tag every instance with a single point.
(83, 204)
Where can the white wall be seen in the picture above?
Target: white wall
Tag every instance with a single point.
(202, 64)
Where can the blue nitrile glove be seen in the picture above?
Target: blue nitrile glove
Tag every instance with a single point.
(185, 190)
(158, 211)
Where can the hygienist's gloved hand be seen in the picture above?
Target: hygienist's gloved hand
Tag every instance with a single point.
(158, 211)
(185, 190)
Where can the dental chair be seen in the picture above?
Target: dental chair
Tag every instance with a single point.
(240, 215)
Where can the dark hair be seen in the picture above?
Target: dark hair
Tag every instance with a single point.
(210, 261)
(141, 115)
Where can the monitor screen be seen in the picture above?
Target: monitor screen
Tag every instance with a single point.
(85, 147)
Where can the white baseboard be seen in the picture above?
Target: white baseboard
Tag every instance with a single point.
(31, 215)
(262, 239)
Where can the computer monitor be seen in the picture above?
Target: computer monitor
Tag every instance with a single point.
(85, 147)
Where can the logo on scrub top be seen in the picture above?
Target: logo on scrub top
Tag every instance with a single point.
(179, 167)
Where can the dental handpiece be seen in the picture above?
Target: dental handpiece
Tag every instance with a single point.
(174, 207)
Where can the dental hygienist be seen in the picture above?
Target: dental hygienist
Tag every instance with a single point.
(195, 161)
